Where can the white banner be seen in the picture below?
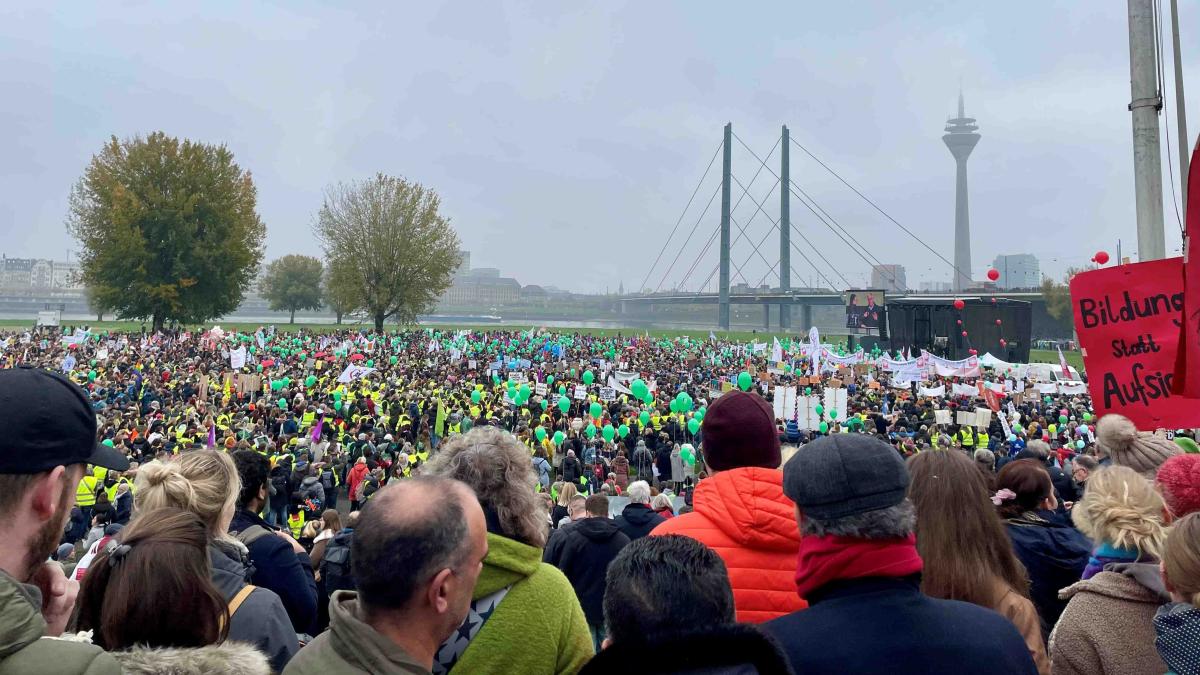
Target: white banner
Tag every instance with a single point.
(354, 373)
(933, 392)
(237, 358)
(965, 390)
(997, 387)
(1073, 388)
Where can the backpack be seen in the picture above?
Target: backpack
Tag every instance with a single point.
(251, 534)
(335, 565)
(279, 483)
(327, 479)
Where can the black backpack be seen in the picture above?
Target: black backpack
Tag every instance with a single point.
(335, 565)
(279, 481)
(327, 478)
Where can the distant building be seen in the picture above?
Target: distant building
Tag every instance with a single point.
(935, 287)
(475, 291)
(25, 274)
(484, 273)
(890, 278)
(1020, 270)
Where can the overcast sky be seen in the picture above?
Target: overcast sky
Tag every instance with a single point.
(566, 137)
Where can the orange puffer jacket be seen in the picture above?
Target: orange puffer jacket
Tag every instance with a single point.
(743, 515)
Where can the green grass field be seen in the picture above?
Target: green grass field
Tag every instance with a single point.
(1075, 359)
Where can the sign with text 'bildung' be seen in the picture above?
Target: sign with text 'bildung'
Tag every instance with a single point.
(1128, 319)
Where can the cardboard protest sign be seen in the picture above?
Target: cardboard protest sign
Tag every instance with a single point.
(540, 389)
(942, 417)
(580, 392)
(607, 394)
(1128, 319)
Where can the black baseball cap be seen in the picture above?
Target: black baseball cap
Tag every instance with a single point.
(47, 421)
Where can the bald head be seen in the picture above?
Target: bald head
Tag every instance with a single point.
(420, 526)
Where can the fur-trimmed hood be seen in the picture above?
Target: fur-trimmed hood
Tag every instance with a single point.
(230, 658)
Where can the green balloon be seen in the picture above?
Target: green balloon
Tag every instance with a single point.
(823, 427)
(545, 404)
(649, 400)
(310, 380)
(820, 409)
(590, 431)
(623, 430)
(564, 404)
(693, 425)
(595, 409)
(639, 388)
(276, 385)
(540, 433)
(644, 418)
(808, 391)
(394, 359)
(337, 396)
(549, 380)
(283, 404)
(674, 405)
(91, 376)
(588, 377)
(562, 389)
(559, 437)
(572, 372)
(608, 432)
(744, 381)
(1087, 417)
(108, 442)
(287, 382)
(370, 363)
(1062, 419)
(833, 414)
(476, 396)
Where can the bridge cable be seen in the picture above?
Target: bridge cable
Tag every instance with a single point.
(681, 215)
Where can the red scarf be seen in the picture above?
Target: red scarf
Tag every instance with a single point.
(826, 559)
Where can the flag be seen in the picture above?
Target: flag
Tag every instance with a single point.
(1062, 361)
(212, 435)
(316, 434)
(776, 351)
(814, 344)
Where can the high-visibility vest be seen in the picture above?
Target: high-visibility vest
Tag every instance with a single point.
(967, 437)
(111, 490)
(85, 492)
(296, 523)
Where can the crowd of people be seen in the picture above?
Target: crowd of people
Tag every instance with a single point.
(536, 502)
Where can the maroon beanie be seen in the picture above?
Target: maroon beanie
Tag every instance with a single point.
(739, 430)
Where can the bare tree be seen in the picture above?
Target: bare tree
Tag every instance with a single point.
(388, 243)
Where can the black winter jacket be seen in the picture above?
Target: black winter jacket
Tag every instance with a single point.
(587, 547)
(637, 520)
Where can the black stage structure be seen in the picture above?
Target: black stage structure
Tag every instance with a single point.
(931, 324)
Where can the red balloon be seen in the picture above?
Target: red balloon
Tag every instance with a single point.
(959, 322)
(993, 274)
(997, 322)
(959, 304)
(1101, 257)
(1003, 343)
(964, 333)
(972, 352)
(993, 301)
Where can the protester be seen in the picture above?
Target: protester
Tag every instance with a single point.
(968, 556)
(669, 608)
(860, 571)
(1108, 624)
(576, 510)
(1082, 468)
(50, 438)
(330, 525)
(566, 492)
(662, 505)
(534, 622)
(280, 562)
(206, 483)
(740, 510)
(584, 555)
(1053, 552)
(1178, 480)
(637, 519)
(1177, 624)
(431, 528)
(1141, 451)
(150, 602)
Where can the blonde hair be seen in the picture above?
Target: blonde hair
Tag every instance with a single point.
(565, 493)
(204, 482)
(1181, 558)
(1122, 508)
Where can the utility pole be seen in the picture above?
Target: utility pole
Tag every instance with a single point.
(785, 231)
(1147, 100)
(723, 290)
(1185, 152)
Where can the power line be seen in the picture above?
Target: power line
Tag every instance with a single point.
(650, 269)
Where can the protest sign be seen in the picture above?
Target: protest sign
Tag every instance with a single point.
(965, 418)
(942, 417)
(540, 389)
(237, 358)
(580, 392)
(1128, 319)
(608, 394)
(992, 399)
(353, 373)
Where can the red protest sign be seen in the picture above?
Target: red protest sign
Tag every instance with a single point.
(1187, 368)
(1128, 319)
(992, 400)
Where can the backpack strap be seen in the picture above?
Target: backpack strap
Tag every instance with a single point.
(252, 534)
(238, 599)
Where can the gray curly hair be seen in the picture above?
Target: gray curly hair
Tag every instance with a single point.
(494, 464)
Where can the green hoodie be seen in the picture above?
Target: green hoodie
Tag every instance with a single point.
(23, 647)
(538, 628)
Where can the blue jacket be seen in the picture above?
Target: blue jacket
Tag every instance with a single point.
(886, 625)
(1054, 554)
(278, 568)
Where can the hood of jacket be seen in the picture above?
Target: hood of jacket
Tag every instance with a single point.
(230, 566)
(597, 529)
(228, 658)
(21, 621)
(508, 561)
(357, 471)
(749, 506)
(357, 642)
(1133, 582)
(1177, 626)
(640, 515)
(309, 482)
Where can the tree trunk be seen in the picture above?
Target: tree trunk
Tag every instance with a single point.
(338, 320)
(157, 323)
(293, 317)
(379, 317)
(99, 316)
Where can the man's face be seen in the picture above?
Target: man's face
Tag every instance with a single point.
(1080, 474)
(468, 572)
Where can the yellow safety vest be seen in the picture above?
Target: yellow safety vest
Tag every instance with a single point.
(296, 523)
(111, 491)
(85, 492)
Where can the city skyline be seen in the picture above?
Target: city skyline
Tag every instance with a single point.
(561, 158)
